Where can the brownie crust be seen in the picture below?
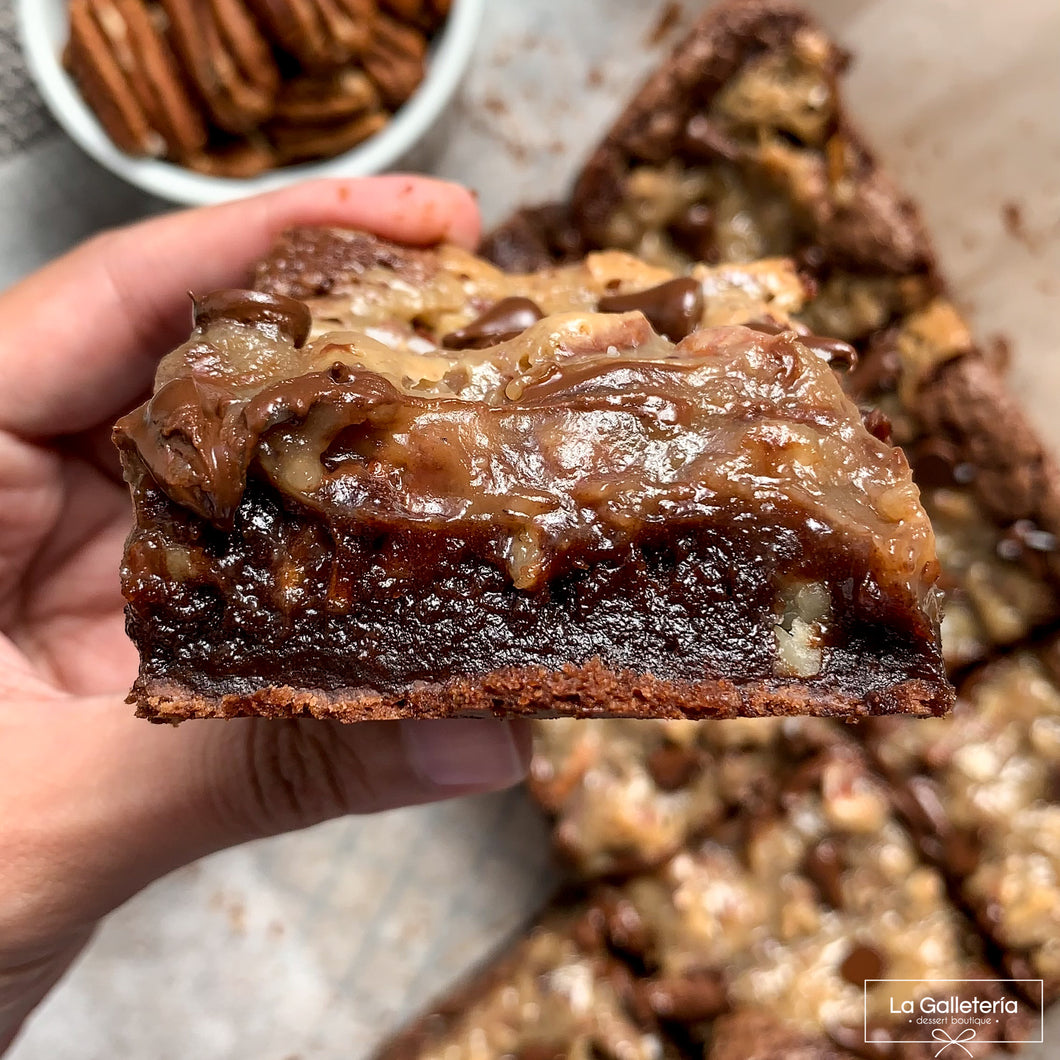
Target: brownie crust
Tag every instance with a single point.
(590, 690)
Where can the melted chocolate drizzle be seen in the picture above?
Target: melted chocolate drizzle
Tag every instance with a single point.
(286, 317)
(502, 321)
(673, 308)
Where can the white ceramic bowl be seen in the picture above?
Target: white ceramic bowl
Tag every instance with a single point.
(43, 26)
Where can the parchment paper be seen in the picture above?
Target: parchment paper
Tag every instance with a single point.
(317, 945)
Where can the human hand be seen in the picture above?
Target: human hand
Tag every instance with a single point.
(94, 804)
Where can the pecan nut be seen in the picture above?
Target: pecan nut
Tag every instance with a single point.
(394, 60)
(323, 99)
(129, 77)
(298, 142)
(321, 34)
(226, 58)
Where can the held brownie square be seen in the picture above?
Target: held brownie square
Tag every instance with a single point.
(398, 482)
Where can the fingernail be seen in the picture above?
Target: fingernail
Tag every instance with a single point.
(464, 753)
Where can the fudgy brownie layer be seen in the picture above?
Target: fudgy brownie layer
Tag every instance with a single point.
(682, 626)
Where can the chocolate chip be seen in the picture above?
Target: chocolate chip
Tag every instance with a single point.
(834, 351)
(808, 774)
(811, 258)
(502, 321)
(589, 930)
(693, 232)
(672, 767)
(1024, 536)
(878, 369)
(824, 866)
(918, 800)
(935, 464)
(767, 326)
(961, 851)
(685, 999)
(276, 312)
(1052, 785)
(673, 308)
(863, 962)
(877, 424)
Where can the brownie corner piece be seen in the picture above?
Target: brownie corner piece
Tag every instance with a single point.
(398, 482)
(553, 994)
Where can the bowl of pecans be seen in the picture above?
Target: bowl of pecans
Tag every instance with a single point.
(199, 101)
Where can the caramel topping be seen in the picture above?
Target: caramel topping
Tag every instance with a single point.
(562, 447)
(540, 434)
(276, 314)
(505, 320)
(673, 308)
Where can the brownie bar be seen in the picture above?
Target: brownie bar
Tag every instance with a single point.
(982, 794)
(432, 488)
(555, 995)
(990, 487)
(790, 907)
(739, 146)
(628, 795)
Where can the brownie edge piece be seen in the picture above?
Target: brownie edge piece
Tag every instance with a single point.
(399, 482)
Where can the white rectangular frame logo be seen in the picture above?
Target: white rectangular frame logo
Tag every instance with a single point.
(947, 1040)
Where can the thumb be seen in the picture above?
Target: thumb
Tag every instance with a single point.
(98, 804)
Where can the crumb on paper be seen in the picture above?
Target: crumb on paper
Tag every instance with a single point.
(669, 16)
(234, 909)
(999, 351)
(1015, 223)
(1012, 218)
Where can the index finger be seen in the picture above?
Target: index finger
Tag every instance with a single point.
(79, 339)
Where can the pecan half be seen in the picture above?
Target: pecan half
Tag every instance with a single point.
(129, 77)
